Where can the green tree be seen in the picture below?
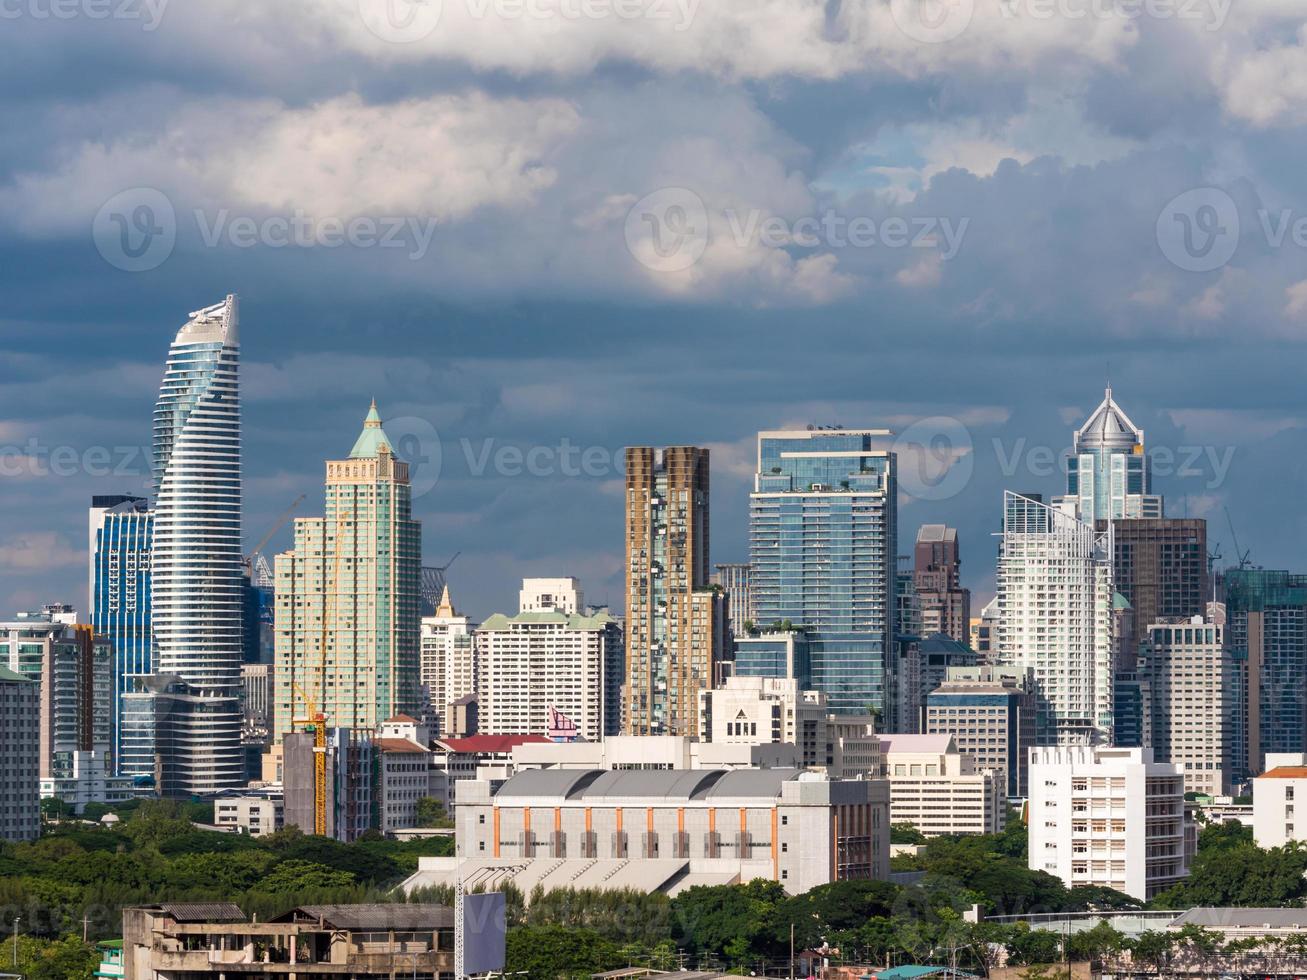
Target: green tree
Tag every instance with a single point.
(548, 952)
(905, 833)
(431, 813)
(293, 875)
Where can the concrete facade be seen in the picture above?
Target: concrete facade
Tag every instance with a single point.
(20, 802)
(938, 790)
(1110, 817)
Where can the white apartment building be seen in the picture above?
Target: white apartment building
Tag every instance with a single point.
(1191, 679)
(448, 664)
(547, 658)
(20, 802)
(938, 790)
(665, 830)
(562, 595)
(767, 710)
(991, 715)
(403, 754)
(1110, 817)
(1280, 800)
(1055, 617)
(256, 812)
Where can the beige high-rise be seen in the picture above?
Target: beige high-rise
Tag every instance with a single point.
(676, 622)
(347, 614)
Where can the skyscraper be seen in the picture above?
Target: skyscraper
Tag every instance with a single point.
(936, 577)
(1266, 631)
(676, 624)
(1108, 475)
(120, 546)
(1055, 617)
(823, 545)
(348, 596)
(196, 587)
(1160, 566)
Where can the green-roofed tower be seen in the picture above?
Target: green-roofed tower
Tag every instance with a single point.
(348, 601)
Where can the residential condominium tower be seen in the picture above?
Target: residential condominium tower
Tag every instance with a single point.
(822, 545)
(1055, 617)
(546, 658)
(196, 586)
(449, 665)
(676, 623)
(347, 597)
(735, 579)
(121, 541)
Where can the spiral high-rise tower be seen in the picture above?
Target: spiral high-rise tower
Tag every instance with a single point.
(197, 585)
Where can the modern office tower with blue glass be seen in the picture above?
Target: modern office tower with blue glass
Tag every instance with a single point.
(1108, 477)
(121, 537)
(197, 578)
(823, 544)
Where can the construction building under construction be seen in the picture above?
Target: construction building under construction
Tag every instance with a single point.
(347, 808)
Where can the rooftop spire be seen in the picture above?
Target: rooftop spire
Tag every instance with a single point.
(446, 607)
(372, 441)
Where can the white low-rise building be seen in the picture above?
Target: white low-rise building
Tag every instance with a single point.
(665, 830)
(1280, 800)
(768, 710)
(655, 752)
(256, 812)
(938, 789)
(1108, 817)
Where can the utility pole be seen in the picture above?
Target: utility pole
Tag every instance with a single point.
(791, 951)
(17, 919)
(86, 928)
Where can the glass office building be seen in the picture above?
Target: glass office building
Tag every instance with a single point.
(121, 536)
(823, 543)
(1108, 476)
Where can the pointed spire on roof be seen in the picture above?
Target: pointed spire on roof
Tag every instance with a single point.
(372, 441)
(446, 607)
(1108, 427)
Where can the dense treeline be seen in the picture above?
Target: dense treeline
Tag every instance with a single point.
(77, 877)
(75, 880)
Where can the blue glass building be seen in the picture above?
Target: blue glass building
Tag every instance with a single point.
(823, 544)
(1108, 475)
(121, 537)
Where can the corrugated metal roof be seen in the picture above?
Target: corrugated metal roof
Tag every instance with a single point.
(764, 783)
(548, 782)
(374, 918)
(203, 911)
(1245, 918)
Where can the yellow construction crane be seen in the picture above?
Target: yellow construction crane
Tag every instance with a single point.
(318, 721)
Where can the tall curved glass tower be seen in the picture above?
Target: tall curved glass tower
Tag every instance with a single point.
(197, 586)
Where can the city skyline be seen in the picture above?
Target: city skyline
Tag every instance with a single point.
(935, 494)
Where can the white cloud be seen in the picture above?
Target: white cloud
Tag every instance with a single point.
(37, 551)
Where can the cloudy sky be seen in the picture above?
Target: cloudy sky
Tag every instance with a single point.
(540, 230)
